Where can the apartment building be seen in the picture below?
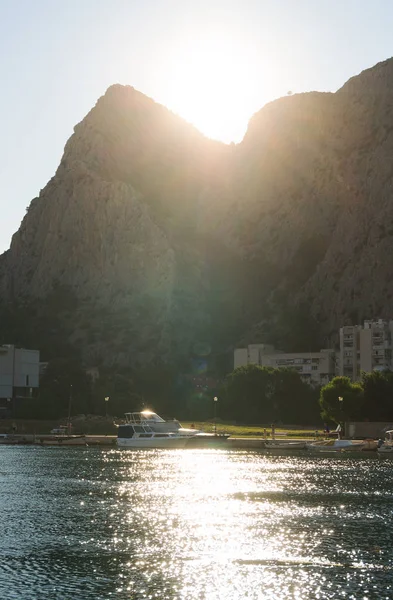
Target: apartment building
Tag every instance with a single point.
(315, 368)
(366, 347)
(349, 355)
(252, 354)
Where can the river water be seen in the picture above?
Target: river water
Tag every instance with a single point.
(92, 524)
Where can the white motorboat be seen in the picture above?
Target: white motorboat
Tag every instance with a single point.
(193, 438)
(285, 444)
(336, 446)
(131, 435)
(386, 448)
(158, 424)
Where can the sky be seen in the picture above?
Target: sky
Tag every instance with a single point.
(214, 63)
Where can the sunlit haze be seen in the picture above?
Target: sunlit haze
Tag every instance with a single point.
(214, 63)
(212, 83)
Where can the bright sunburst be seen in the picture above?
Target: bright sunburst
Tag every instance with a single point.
(214, 84)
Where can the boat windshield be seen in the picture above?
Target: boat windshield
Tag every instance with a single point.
(151, 416)
(141, 417)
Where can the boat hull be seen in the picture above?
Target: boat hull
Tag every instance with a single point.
(324, 449)
(271, 445)
(316, 447)
(385, 451)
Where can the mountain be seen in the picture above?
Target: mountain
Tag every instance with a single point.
(112, 239)
(153, 242)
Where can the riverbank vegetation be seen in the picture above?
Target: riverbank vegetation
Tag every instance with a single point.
(370, 399)
(250, 396)
(254, 394)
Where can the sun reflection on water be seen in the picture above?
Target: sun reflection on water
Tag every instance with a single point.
(218, 525)
(194, 524)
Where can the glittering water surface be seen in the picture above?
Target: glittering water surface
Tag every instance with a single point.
(193, 524)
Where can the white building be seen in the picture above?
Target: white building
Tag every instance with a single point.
(366, 347)
(252, 354)
(19, 374)
(316, 368)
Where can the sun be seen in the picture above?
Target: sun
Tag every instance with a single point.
(212, 83)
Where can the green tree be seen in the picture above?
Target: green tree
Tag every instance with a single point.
(341, 400)
(156, 385)
(296, 402)
(65, 384)
(199, 405)
(254, 394)
(378, 395)
(120, 389)
(248, 395)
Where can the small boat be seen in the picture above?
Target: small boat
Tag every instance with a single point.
(386, 448)
(131, 435)
(335, 446)
(285, 444)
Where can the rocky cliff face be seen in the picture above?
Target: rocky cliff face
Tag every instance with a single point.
(315, 200)
(167, 239)
(116, 228)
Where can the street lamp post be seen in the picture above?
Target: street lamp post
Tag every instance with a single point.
(215, 399)
(341, 400)
(69, 410)
(106, 405)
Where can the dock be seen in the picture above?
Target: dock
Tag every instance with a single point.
(245, 442)
(59, 440)
(106, 440)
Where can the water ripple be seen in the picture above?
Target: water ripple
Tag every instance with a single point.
(99, 524)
